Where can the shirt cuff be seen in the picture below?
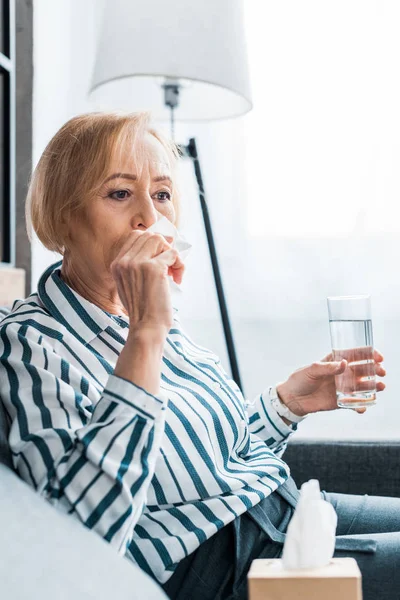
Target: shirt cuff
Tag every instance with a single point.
(127, 392)
(277, 421)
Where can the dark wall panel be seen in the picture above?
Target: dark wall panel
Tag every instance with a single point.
(24, 81)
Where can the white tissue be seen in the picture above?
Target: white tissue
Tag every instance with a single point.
(165, 227)
(310, 538)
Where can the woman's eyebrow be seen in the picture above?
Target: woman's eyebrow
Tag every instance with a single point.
(162, 178)
(121, 176)
(134, 177)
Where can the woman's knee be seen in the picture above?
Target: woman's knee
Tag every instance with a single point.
(365, 514)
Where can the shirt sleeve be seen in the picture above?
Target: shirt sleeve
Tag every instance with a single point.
(94, 463)
(265, 422)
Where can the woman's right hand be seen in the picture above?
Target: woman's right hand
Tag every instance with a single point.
(141, 271)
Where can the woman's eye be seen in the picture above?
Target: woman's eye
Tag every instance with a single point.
(119, 195)
(163, 196)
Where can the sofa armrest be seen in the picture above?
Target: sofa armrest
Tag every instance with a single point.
(46, 554)
(347, 467)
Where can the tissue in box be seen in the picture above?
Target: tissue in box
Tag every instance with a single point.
(339, 580)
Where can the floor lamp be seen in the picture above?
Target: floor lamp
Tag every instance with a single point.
(182, 61)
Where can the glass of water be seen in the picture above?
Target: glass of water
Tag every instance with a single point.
(351, 334)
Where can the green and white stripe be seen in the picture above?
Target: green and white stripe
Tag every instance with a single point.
(153, 475)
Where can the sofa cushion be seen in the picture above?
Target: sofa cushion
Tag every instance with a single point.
(358, 467)
(50, 555)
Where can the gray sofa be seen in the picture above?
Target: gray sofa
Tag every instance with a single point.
(348, 467)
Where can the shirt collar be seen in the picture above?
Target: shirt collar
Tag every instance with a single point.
(82, 318)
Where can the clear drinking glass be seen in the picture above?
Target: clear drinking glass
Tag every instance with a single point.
(351, 334)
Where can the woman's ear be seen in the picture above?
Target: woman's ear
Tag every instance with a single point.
(66, 228)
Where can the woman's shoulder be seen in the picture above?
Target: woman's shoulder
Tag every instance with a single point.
(27, 314)
(4, 311)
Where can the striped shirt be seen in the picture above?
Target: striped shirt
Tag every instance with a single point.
(155, 476)
(4, 311)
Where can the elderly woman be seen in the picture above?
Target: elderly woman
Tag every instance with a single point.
(122, 421)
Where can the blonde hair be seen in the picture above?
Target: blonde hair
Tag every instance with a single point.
(73, 165)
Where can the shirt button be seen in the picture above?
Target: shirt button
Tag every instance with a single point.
(216, 386)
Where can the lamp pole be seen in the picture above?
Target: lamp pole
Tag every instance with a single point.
(171, 88)
(191, 151)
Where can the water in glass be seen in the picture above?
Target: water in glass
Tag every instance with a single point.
(356, 387)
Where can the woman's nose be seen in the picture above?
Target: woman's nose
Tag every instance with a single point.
(144, 215)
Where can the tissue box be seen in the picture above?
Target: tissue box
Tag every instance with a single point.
(340, 580)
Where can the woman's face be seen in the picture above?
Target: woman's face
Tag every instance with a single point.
(128, 199)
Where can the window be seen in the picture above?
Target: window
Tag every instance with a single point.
(321, 194)
(7, 131)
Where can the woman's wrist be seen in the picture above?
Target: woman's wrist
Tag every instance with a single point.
(291, 401)
(153, 335)
(140, 359)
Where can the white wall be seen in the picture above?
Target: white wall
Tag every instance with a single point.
(64, 35)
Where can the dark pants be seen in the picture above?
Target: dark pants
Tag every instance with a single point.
(218, 569)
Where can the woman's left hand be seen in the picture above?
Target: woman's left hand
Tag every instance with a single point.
(312, 389)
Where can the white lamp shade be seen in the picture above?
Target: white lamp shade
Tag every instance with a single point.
(200, 43)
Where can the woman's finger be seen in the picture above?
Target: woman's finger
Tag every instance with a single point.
(365, 386)
(121, 246)
(171, 257)
(125, 244)
(378, 357)
(380, 386)
(151, 247)
(137, 240)
(176, 273)
(321, 369)
(379, 370)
